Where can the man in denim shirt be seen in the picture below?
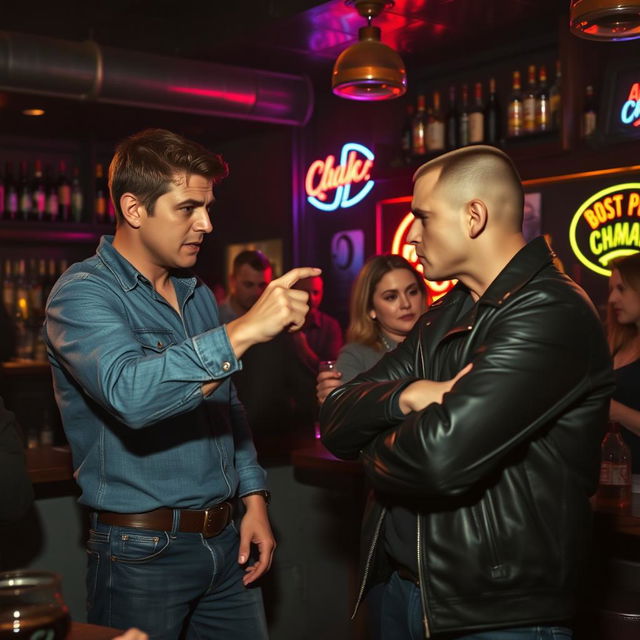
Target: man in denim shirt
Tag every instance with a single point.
(160, 443)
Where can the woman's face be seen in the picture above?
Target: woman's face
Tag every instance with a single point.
(624, 301)
(397, 303)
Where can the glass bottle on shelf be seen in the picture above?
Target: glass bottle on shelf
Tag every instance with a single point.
(100, 195)
(476, 117)
(419, 129)
(38, 193)
(463, 118)
(11, 194)
(24, 345)
(52, 208)
(589, 113)
(555, 99)
(435, 126)
(614, 488)
(8, 288)
(492, 115)
(452, 120)
(529, 101)
(77, 197)
(64, 193)
(543, 115)
(515, 122)
(406, 135)
(25, 200)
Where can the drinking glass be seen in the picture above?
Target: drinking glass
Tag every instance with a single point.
(32, 607)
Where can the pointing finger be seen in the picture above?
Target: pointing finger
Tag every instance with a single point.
(291, 277)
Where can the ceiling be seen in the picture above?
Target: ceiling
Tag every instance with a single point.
(296, 36)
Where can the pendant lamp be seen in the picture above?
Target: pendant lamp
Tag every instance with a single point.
(605, 19)
(369, 70)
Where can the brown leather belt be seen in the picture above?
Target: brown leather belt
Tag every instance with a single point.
(209, 522)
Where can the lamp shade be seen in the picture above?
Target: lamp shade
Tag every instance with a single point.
(605, 19)
(369, 70)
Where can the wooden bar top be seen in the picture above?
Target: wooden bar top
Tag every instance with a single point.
(49, 464)
(82, 631)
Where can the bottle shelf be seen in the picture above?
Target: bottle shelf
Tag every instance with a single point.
(31, 231)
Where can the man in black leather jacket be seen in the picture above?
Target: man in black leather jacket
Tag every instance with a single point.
(480, 433)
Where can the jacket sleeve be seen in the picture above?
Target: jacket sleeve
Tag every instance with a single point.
(16, 491)
(88, 331)
(353, 414)
(540, 357)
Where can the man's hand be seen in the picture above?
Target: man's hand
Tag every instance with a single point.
(327, 381)
(133, 634)
(279, 307)
(419, 395)
(255, 529)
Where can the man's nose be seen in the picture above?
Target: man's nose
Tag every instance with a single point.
(413, 237)
(203, 223)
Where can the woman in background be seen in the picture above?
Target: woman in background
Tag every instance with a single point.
(387, 298)
(623, 324)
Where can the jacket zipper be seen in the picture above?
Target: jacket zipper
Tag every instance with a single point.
(367, 565)
(486, 519)
(423, 595)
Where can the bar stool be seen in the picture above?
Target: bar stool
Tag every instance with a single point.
(620, 612)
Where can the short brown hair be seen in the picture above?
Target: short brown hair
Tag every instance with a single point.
(145, 164)
(252, 257)
(362, 328)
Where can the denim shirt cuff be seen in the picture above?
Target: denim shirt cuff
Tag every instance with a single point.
(216, 353)
(252, 478)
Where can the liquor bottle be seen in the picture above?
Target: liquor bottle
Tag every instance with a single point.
(50, 279)
(555, 99)
(25, 201)
(435, 125)
(614, 488)
(529, 101)
(463, 119)
(8, 288)
(543, 114)
(10, 194)
(492, 115)
(476, 117)
(589, 113)
(515, 122)
(24, 346)
(452, 120)
(100, 195)
(2, 197)
(77, 197)
(64, 193)
(51, 208)
(406, 145)
(38, 193)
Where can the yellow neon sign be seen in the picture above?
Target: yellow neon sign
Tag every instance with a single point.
(611, 217)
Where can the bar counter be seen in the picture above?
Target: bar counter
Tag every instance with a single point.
(315, 458)
(82, 631)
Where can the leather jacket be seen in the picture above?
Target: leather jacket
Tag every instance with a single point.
(500, 472)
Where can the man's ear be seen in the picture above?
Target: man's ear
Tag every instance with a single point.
(133, 211)
(477, 217)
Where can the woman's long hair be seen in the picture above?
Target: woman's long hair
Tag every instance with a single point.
(362, 328)
(620, 334)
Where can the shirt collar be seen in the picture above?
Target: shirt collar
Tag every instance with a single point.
(127, 275)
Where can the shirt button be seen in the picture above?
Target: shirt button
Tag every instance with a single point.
(159, 345)
(226, 366)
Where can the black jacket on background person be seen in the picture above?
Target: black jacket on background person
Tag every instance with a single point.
(16, 491)
(501, 472)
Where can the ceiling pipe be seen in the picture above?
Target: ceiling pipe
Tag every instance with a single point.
(89, 71)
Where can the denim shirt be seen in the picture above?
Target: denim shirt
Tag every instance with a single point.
(128, 373)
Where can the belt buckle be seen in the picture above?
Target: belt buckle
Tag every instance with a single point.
(208, 529)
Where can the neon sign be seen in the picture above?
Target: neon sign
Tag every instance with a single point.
(324, 176)
(607, 226)
(630, 113)
(435, 288)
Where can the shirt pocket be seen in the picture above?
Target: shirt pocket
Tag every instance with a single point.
(154, 340)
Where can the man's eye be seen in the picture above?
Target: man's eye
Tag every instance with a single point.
(188, 209)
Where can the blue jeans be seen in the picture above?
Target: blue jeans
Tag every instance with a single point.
(400, 618)
(169, 583)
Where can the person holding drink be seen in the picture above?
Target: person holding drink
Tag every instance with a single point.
(161, 447)
(387, 298)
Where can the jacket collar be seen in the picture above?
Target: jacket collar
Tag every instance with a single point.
(519, 270)
(127, 275)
